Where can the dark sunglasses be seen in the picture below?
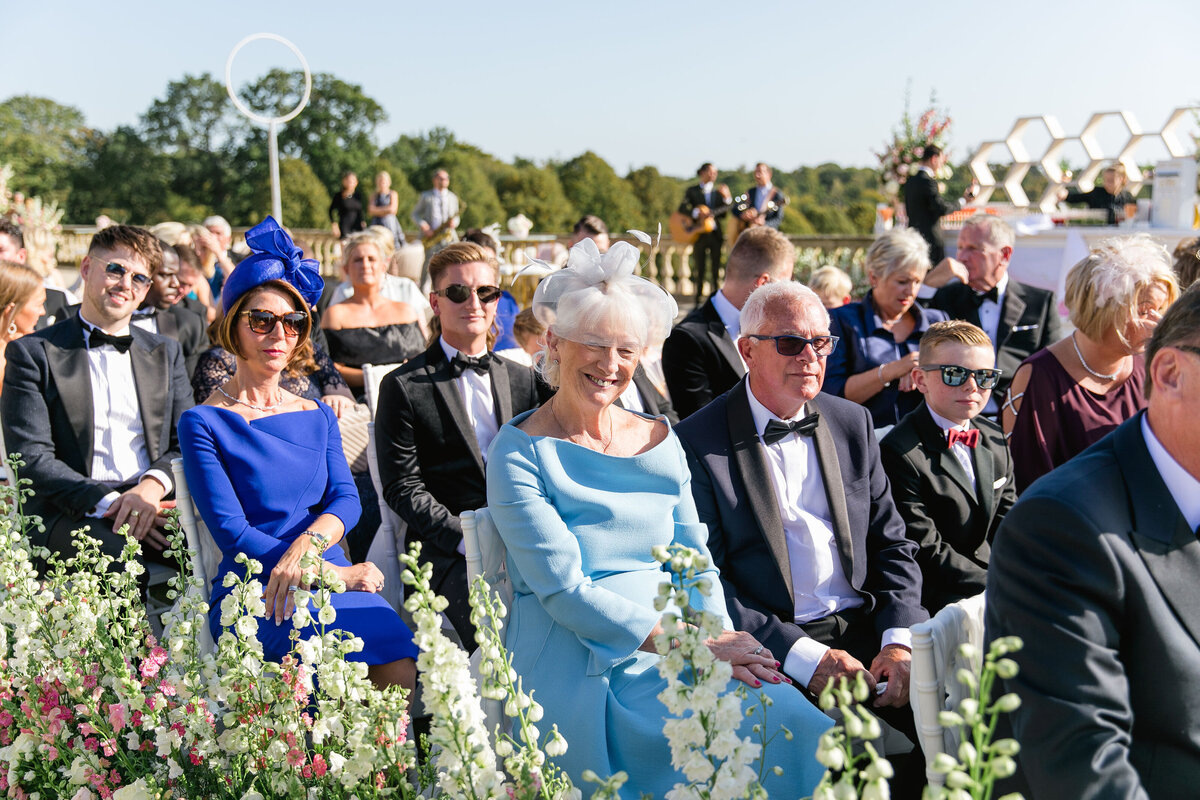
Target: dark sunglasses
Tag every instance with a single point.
(119, 271)
(263, 322)
(458, 293)
(954, 375)
(789, 345)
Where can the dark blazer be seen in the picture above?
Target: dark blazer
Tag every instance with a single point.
(735, 498)
(56, 307)
(1095, 569)
(773, 217)
(925, 206)
(952, 524)
(47, 413)
(693, 197)
(652, 398)
(187, 328)
(700, 361)
(1029, 321)
(429, 460)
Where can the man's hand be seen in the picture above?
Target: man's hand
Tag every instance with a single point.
(139, 507)
(425, 228)
(945, 272)
(836, 664)
(893, 664)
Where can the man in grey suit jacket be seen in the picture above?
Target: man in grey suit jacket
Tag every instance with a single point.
(1097, 569)
(91, 404)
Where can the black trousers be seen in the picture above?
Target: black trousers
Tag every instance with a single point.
(706, 254)
(58, 539)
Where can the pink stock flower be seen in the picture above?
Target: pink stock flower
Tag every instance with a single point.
(117, 716)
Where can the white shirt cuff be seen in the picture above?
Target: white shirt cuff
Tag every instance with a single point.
(802, 660)
(102, 507)
(900, 636)
(161, 477)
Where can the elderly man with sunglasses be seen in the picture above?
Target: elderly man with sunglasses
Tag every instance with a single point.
(92, 403)
(813, 556)
(439, 412)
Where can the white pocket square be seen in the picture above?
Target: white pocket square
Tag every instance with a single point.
(1020, 328)
(999, 483)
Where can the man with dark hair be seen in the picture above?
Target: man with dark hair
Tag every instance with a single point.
(12, 248)
(701, 202)
(700, 358)
(1095, 569)
(764, 201)
(159, 313)
(591, 227)
(92, 404)
(924, 204)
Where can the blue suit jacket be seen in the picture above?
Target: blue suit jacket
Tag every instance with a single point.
(736, 499)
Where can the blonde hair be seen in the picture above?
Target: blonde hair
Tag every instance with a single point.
(18, 282)
(384, 244)
(831, 283)
(1102, 290)
(759, 251)
(898, 249)
(952, 331)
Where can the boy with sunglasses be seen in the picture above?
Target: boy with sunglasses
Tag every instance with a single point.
(949, 468)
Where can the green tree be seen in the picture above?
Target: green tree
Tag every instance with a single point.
(418, 156)
(658, 194)
(594, 188)
(121, 175)
(301, 194)
(469, 180)
(43, 141)
(537, 193)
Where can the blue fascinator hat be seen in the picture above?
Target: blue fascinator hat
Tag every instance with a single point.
(273, 257)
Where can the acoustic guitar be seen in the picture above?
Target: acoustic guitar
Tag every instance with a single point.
(685, 228)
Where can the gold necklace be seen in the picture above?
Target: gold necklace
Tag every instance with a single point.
(248, 404)
(571, 437)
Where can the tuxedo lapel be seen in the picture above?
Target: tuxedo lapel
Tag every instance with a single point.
(1010, 315)
(501, 393)
(68, 362)
(934, 439)
(168, 324)
(985, 475)
(752, 466)
(720, 339)
(447, 391)
(151, 382)
(835, 493)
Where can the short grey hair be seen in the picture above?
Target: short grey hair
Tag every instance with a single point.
(773, 298)
(219, 222)
(997, 231)
(898, 249)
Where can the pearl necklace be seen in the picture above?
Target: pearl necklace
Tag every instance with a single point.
(249, 404)
(1099, 375)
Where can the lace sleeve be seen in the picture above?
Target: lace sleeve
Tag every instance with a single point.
(214, 367)
(327, 378)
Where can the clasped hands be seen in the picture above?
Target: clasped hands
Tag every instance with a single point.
(893, 664)
(288, 575)
(141, 507)
(752, 662)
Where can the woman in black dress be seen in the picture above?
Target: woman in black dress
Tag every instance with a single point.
(346, 208)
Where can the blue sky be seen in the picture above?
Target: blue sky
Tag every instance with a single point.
(667, 84)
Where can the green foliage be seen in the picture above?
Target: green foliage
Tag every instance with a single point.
(537, 193)
(122, 176)
(43, 141)
(594, 188)
(658, 194)
(301, 193)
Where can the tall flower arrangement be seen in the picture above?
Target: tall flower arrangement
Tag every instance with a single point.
(904, 152)
(39, 221)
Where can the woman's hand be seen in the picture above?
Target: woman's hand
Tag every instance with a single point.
(364, 577)
(752, 662)
(339, 403)
(285, 579)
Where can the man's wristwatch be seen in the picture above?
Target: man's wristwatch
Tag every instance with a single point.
(319, 540)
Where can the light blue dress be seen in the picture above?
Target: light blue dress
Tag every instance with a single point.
(579, 526)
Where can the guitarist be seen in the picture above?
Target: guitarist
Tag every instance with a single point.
(765, 202)
(436, 215)
(703, 201)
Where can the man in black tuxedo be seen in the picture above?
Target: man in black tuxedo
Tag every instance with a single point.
(706, 200)
(1019, 319)
(439, 412)
(700, 359)
(813, 557)
(159, 312)
(949, 469)
(91, 403)
(1095, 568)
(924, 204)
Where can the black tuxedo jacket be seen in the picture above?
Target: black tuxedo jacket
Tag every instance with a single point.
(736, 500)
(700, 361)
(187, 328)
(652, 398)
(47, 412)
(924, 205)
(430, 465)
(56, 307)
(773, 217)
(952, 523)
(1095, 568)
(693, 197)
(1029, 321)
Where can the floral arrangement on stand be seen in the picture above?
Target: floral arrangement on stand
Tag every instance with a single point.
(39, 222)
(907, 147)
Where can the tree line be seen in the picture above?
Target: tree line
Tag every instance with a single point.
(191, 154)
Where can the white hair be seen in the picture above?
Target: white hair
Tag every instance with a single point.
(218, 222)
(773, 298)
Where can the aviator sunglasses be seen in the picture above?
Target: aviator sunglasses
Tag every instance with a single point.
(263, 322)
(954, 375)
(458, 293)
(119, 271)
(790, 345)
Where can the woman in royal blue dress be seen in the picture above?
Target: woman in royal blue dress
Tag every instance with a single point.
(266, 467)
(581, 490)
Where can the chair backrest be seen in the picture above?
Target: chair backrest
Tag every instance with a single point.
(205, 555)
(485, 555)
(373, 374)
(935, 664)
(388, 542)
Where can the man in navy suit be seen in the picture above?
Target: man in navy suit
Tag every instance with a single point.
(764, 201)
(813, 556)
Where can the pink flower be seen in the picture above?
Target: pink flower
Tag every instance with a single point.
(117, 716)
(319, 766)
(6, 719)
(295, 757)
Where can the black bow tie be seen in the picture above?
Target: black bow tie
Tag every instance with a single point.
(460, 363)
(98, 338)
(992, 294)
(776, 429)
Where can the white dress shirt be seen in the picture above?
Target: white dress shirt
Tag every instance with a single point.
(146, 319)
(476, 392)
(631, 399)
(119, 451)
(961, 452)
(1183, 486)
(764, 193)
(819, 584)
(989, 321)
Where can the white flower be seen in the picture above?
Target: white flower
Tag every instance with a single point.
(133, 791)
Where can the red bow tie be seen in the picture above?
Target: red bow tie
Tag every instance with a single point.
(969, 438)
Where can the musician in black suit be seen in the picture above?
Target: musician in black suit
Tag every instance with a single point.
(700, 360)
(924, 204)
(91, 403)
(159, 312)
(813, 557)
(764, 202)
(439, 412)
(707, 200)
(949, 469)
(1019, 319)
(1095, 569)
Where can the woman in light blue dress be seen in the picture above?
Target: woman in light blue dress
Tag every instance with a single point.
(580, 491)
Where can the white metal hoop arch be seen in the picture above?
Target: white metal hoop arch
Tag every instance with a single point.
(242, 107)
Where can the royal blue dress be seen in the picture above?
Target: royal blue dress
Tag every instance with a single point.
(579, 526)
(258, 485)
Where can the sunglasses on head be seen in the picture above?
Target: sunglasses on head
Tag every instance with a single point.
(789, 345)
(458, 293)
(954, 375)
(263, 322)
(119, 271)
